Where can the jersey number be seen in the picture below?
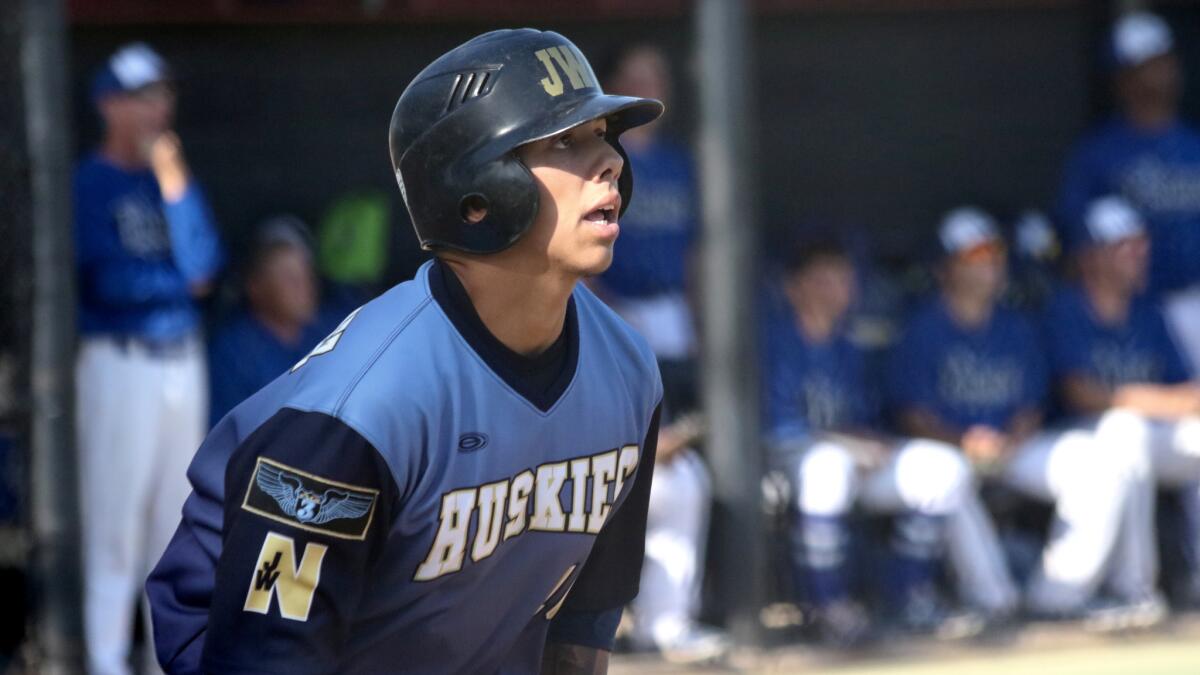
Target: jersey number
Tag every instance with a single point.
(327, 345)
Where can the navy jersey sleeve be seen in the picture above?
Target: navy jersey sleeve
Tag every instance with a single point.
(610, 576)
(307, 507)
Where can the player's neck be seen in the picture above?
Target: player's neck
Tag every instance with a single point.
(123, 152)
(1150, 116)
(524, 310)
(967, 309)
(1109, 303)
(287, 332)
(816, 325)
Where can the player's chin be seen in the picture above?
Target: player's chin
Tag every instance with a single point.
(593, 259)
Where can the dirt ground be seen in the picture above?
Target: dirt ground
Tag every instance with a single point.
(1173, 649)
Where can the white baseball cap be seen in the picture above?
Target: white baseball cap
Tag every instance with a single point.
(1110, 220)
(967, 228)
(132, 67)
(1138, 37)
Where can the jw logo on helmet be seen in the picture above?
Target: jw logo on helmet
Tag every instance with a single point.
(571, 62)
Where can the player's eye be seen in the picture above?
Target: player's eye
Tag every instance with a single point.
(563, 141)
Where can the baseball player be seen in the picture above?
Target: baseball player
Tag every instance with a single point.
(455, 480)
(819, 414)
(146, 250)
(973, 373)
(281, 319)
(1147, 154)
(1118, 371)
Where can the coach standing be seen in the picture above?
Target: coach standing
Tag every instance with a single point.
(146, 250)
(1148, 155)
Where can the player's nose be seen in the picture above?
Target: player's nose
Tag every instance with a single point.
(610, 164)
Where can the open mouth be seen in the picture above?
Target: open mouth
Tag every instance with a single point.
(602, 216)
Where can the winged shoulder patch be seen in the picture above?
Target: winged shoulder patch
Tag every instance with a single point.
(288, 495)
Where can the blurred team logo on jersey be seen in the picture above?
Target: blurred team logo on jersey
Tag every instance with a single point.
(294, 497)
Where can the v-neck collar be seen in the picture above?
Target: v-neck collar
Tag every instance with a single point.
(541, 380)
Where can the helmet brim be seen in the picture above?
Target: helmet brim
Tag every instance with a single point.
(623, 113)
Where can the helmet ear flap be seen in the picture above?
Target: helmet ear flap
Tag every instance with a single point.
(625, 180)
(506, 187)
(438, 196)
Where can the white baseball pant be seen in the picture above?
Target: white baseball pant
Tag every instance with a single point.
(1160, 452)
(925, 476)
(1087, 474)
(676, 534)
(139, 419)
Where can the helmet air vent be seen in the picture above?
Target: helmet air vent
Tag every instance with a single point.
(469, 85)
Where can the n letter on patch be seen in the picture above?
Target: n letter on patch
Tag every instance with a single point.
(276, 575)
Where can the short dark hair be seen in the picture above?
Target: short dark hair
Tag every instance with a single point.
(805, 253)
(272, 235)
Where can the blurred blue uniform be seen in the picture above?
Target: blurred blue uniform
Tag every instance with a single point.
(1137, 350)
(142, 397)
(659, 227)
(412, 496)
(1159, 173)
(811, 387)
(968, 377)
(244, 356)
(137, 254)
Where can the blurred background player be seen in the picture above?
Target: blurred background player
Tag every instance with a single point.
(820, 419)
(281, 319)
(1117, 369)
(647, 282)
(667, 608)
(647, 286)
(147, 250)
(1149, 156)
(972, 373)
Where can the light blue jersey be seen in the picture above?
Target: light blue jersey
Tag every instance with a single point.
(402, 501)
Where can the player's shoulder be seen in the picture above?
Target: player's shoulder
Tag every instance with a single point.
(235, 330)
(611, 334)
(1147, 309)
(91, 171)
(1188, 132)
(376, 354)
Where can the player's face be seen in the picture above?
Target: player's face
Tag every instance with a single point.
(1159, 80)
(1127, 261)
(981, 272)
(576, 225)
(284, 287)
(140, 116)
(826, 285)
(644, 74)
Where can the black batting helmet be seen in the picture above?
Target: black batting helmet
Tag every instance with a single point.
(457, 123)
